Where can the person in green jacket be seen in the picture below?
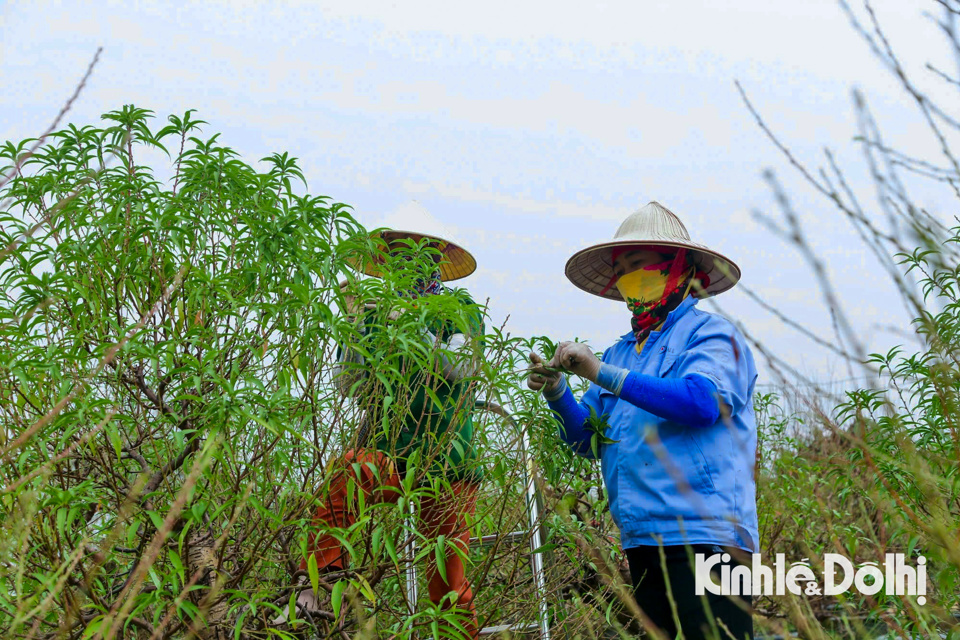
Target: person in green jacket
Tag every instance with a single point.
(429, 416)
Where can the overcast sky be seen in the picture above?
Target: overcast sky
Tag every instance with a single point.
(533, 128)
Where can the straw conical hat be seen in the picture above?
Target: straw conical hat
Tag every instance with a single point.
(591, 269)
(413, 221)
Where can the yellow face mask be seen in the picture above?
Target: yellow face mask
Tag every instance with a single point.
(642, 285)
(643, 292)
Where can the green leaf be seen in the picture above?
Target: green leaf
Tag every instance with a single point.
(177, 564)
(392, 551)
(433, 396)
(292, 606)
(156, 519)
(337, 597)
(440, 551)
(93, 627)
(114, 435)
(597, 425)
(375, 541)
(238, 625)
(367, 590)
(313, 573)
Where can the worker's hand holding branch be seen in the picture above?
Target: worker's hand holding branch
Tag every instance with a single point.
(539, 377)
(577, 358)
(574, 357)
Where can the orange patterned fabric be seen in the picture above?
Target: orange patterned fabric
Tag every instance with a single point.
(443, 514)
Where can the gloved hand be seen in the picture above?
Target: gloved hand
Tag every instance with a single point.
(540, 379)
(578, 358)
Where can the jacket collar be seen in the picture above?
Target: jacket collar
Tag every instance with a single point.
(672, 317)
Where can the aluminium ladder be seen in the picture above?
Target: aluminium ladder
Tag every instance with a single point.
(536, 556)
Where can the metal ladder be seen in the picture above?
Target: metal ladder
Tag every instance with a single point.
(536, 556)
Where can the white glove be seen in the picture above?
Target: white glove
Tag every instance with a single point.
(578, 358)
(539, 379)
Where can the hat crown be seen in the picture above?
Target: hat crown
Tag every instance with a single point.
(653, 222)
(413, 217)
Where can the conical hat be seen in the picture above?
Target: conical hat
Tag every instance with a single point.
(591, 269)
(413, 221)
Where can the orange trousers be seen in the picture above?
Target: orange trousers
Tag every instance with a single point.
(440, 515)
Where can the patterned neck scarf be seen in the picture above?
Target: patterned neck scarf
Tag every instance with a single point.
(679, 273)
(428, 287)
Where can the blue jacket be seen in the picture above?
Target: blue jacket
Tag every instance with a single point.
(645, 472)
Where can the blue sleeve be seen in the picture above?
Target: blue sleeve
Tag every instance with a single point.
(690, 400)
(573, 417)
(719, 353)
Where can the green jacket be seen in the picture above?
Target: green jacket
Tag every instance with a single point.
(444, 433)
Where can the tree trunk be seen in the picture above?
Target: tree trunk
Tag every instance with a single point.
(201, 557)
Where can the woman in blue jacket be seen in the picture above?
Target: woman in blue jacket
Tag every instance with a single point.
(677, 390)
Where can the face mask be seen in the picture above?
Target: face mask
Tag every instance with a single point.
(643, 285)
(646, 294)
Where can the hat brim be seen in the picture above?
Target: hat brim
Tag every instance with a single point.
(591, 269)
(458, 262)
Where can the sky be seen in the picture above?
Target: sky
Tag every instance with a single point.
(530, 129)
